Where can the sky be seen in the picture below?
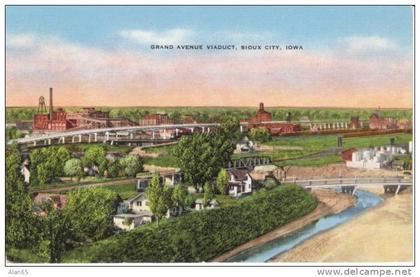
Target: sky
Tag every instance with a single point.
(351, 56)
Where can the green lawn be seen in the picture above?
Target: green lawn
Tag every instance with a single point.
(315, 144)
(165, 158)
(309, 145)
(126, 191)
(82, 147)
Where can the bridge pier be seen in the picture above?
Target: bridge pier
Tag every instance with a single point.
(80, 138)
(89, 138)
(95, 135)
(394, 189)
(348, 189)
(398, 190)
(72, 139)
(354, 190)
(176, 132)
(131, 135)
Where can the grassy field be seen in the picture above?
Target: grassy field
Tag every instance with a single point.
(126, 191)
(166, 157)
(309, 145)
(82, 147)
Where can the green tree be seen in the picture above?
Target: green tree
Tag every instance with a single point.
(21, 231)
(47, 164)
(201, 156)
(131, 165)
(89, 212)
(73, 168)
(95, 156)
(157, 198)
(222, 181)
(114, 169)
(260, 134)
(179, 196)
(208, 193)
(55, 231)
(61, 156)
(13, 133)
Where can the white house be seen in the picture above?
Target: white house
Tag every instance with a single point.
(240, 182)
(25, 172)
(141, 213)
(199, 204)
(138, 204)
(131, 221)
(244, 145)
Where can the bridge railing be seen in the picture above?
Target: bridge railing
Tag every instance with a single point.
(339, 181)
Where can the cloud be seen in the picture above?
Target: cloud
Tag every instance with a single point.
(83, 75)
(361, 44)
(171, 36)
(20, 40)
(235, 36)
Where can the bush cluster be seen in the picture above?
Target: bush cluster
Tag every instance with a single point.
(200, 236)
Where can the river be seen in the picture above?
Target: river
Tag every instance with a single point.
(263, 253)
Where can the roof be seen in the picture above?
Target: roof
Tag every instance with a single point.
(138, 196)
(239, 174)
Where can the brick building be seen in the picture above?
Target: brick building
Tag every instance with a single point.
(155, 119)
(264, 119)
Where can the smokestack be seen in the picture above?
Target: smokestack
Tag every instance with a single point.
(51, 103)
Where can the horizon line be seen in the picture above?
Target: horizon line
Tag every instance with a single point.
(232, 107)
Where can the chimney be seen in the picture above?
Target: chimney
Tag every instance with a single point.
(51, 103)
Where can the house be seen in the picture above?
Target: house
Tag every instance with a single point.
(138, 203)
(346, 155)
(240, 182)
(199, 204)
(131, 221)
(378, 122)
(25, 171)
(59, 201)
(244, 145)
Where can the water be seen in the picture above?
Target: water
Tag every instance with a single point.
(263, 253)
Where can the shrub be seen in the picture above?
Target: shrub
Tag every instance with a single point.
(200, 236)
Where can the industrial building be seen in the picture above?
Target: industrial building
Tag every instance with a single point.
(60, 120)
(374, 158)
(264, 119)
(155, 119)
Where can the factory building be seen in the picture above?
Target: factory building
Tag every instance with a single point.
(60, 120)
(264, 119)
(374, 158)
(155, 119)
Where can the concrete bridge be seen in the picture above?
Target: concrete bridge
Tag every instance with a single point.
(112, 134)
(350, 185)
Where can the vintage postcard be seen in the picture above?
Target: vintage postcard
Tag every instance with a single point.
(230, 135)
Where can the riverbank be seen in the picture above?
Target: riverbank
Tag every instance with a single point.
(329, 202)
(383, 234)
